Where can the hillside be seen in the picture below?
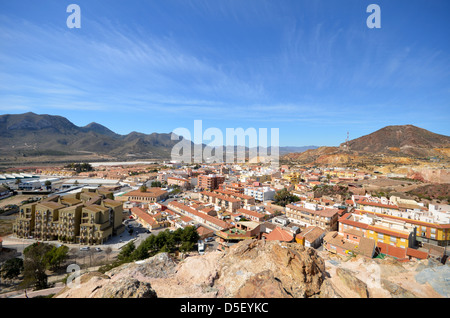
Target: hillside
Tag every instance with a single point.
(401, 145)
(31, 135)
(407, 140)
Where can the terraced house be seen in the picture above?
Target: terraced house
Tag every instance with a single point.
(226, 203)
(89, 217)
(313, 215)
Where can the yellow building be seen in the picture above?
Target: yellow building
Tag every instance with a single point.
(24, 223)
(89, 217)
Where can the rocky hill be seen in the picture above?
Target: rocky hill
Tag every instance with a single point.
(406, 140)
(392, 144)
(260, 269)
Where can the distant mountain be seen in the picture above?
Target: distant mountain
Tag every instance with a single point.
(31, 134)
(405, 141)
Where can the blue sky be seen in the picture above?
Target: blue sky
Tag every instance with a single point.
(313, 69)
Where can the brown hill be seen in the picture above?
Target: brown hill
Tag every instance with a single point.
(389, 144)
(405, 140)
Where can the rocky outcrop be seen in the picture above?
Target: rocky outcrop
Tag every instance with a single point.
(266, 269)
(98, 285)
(353, 283)
(291, 269)
(250, 269)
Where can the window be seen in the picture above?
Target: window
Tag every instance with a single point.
(433, 231)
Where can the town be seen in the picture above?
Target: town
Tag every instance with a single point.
(327, 209)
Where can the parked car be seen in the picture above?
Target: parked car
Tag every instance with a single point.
(98, 249)
(85, 248)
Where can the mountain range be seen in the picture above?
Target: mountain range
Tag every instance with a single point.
(31, 135)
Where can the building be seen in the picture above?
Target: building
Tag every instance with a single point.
(313, 215)
(425, 232)
(246, 199)
(371, 204)
(210, 182)
(199, 217)
(251, 215)
(261, 194)
(181, 182)
(88, 217)
(337, 244)
(147, 220)
(392, 237)
(227, 203)
(278, 234)
(25, 220)
(311, 237)
(242, 231)
(149, 196)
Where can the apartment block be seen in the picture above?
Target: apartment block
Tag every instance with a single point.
(210, 182)
(261, 194)
(89, 217)
(24, 224)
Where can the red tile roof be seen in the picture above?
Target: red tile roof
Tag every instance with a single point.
(144, 216)
(279, 234)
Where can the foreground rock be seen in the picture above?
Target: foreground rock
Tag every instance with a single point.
(260, 269)
(97, 285)
(253, 268)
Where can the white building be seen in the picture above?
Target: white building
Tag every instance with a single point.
(260, 193)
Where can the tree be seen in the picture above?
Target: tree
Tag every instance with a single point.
(186, 247)
(35, 266)
(108, 251)
(143, 188)
(55, 257)
(190, 234)
(48, 184)
(284, 197)
(156, 184)
(126, 251)
(12, 268)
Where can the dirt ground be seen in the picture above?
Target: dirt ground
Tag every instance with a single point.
(16, 199)
(6, 227)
